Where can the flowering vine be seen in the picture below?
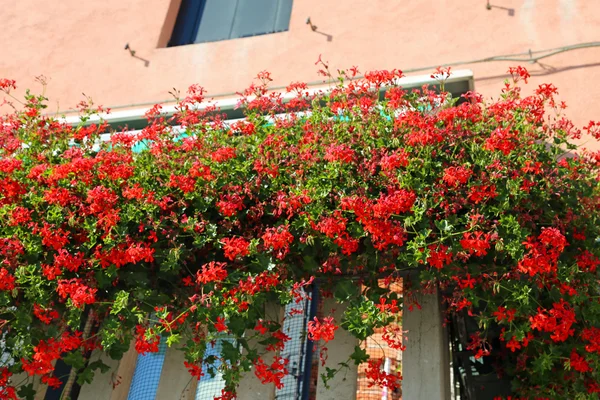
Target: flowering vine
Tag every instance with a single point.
(187, 233)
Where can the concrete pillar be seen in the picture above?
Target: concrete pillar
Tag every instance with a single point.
(425, 362)
(40, 389)
(344, 384)
(175, 380)
(125, 374)
(250, 387)
(24, 379)
(101, 388)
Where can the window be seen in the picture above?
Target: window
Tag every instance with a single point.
(476, 379)
(379, 349)
(200, 21)
(147, 374)
(295, 326)
(212, 383)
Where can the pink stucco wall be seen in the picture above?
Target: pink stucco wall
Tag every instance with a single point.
(79, 46)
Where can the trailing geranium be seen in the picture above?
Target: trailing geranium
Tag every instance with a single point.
(190, 233)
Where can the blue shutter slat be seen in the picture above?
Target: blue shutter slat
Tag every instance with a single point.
(200, 21)
(254, 17)
(187, 23)
(282, 18)
(216, 21)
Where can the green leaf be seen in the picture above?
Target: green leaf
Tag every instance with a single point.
(26, 392)
(237, 325)
(98, 364)
(542, 363)
(230, 352)
(75, 359)
(346, 290)
(444, 226)
(117, 349)
(120, 302)
(173, 339)
(85, 376)
(359, 356)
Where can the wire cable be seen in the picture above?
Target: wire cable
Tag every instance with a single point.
(528, 56)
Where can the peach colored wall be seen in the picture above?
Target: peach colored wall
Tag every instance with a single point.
(79, 46)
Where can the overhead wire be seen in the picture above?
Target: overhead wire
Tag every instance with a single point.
(528, 56)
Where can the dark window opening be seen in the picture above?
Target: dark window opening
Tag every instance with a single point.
(200, 21)
(476, 379)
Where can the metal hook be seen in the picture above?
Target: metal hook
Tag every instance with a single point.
(131, 51)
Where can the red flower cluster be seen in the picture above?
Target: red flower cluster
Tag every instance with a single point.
(324, 329)
(381, 378)
(385, 307)
(455, 176)
(125, 253)
(439, 256)
(146, 340)
(476, 243)
(503, 314)
(211, 272)
(195, 369)
(211, 227)
(587, 261)
(558, 321)
(519, 73)
(278, 239)
(235, 247)
(46, 315)
(578, 363)
(7, 84)
(273, 373)
(48, 351)
(77, 291)
(230, 203)
(339, 152)
(393, 337)
(7, 391)
(375, 216)
(184, 183)
(482, 193)
(503, 140)
(220, 325)
(281, 338)
(592, 337)
(398, 158)
(223, 154)
(543, 253)
(479, 346)
(334, 227)
(7, 281)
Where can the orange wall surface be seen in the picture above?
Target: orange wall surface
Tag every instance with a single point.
(79, 46)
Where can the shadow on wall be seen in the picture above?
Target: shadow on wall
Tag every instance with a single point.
(545, 69)
(132, 54)
(329, 37)
(511, 11)
(315, 29)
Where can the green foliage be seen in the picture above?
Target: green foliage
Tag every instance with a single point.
(206, 231)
